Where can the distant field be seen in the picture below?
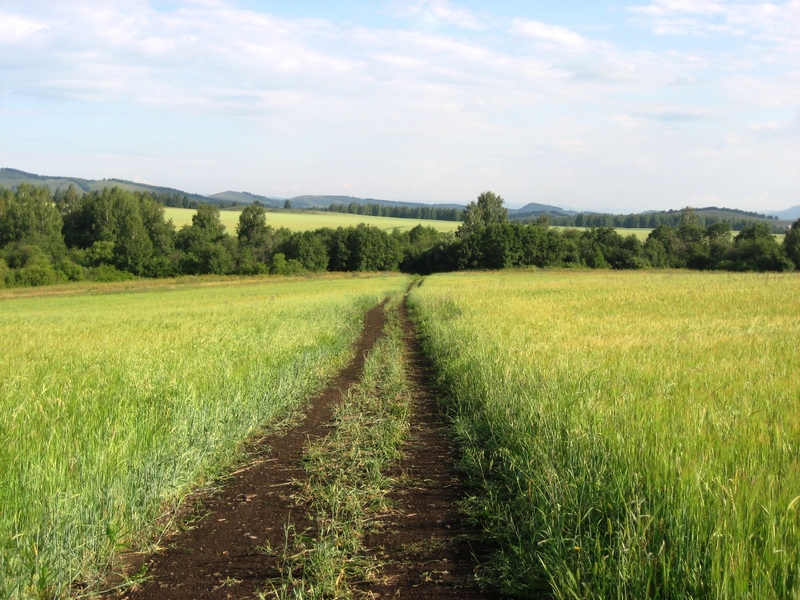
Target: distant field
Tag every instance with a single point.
(639, 233)
(116, 398)
(642, 233)
(309, 220)
(635, 434)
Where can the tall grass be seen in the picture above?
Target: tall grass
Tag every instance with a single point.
(633, 434)
(113, 406)
(346, 488)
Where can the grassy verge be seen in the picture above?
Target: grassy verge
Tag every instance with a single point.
(631, 435)
(114, 406)
(346, 488)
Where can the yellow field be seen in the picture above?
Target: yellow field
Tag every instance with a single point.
(635, 433)
(116, 399)
(297, 220)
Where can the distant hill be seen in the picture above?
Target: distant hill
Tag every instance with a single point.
(534, 209)
(11, 178)
(248, 198)
(310, 201)
(790, 213)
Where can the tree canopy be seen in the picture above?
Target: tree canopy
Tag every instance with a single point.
(486, 210)
(117, 234)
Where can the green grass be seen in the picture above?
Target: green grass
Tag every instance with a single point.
(116, 401)
(346, 488)
(631, 434)
(307, 220)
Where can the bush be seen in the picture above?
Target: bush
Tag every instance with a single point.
(5, 273)
(108, 273)
(71, 270)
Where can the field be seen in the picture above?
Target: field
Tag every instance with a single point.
(640, 233)
(302, 220)
(116, 400)
(631, 434)
(626, 434)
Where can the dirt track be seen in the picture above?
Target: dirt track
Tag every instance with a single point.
(425, 548)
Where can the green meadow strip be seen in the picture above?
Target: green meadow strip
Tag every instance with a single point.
(631, 435)
(346, 487)
(113, 407)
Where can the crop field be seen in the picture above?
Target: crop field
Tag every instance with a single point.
(631, 434)
(640, 232)
(115, 401)
(310, 220)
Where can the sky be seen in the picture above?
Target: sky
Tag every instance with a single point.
(589, 105)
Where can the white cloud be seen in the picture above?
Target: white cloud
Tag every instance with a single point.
(548, 33)
(773, 23)
(15, 28)
(290, 102)
(438, 11)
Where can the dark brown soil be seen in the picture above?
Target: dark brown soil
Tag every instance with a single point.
(426, 548)
(222, 556)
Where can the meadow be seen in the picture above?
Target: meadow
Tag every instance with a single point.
(631, 434)
(117, 400)
(307, 220)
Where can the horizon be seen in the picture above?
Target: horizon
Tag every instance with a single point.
(367, 199)
(592, 107)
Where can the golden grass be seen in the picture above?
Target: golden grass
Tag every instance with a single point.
(307, 220)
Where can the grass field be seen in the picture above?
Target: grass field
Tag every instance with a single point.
(303, 220)
(632, 434)
(115, 400)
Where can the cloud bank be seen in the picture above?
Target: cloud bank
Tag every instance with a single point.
(437, 102)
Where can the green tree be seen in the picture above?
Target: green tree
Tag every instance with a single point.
(288, 204)
(206, 220)
(30, 265)
(252, 227)
(255, 240)
(481, 213)
(67, 200)
(206, 246)
(133, 248)
(28, 216)
(5, 273)
(756, 249)
(690, 230)
(791, 244)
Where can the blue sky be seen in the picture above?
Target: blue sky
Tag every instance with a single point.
(624, 106)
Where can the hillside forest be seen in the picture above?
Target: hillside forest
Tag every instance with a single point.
(115, 234)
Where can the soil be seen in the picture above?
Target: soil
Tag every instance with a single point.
(222, 556)
(424, 547)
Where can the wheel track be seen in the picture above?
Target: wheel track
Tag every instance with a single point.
(221, 556)
(425, 548)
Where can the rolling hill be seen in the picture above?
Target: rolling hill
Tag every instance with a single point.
(11, 178)
(790, 213)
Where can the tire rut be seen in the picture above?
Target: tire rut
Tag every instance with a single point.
(222, 556)
(426, 548)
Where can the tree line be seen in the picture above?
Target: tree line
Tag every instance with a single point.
(400, 212)
(117, 234)
(487, 239)
(651, 220)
